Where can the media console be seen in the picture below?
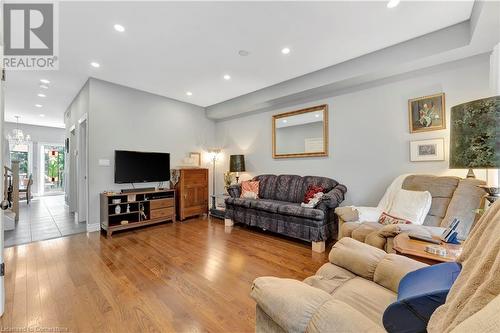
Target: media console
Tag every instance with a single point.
(136, 209)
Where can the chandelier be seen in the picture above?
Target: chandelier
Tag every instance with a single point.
(17, 136)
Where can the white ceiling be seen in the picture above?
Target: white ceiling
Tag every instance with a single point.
(169, 48)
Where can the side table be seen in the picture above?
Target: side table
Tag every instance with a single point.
(415, 249)
(217, 209)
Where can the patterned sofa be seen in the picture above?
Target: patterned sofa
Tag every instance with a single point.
(278, 208)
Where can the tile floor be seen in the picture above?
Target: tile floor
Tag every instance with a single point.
(44, 218)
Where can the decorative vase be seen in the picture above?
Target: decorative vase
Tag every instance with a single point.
(118, 209)
(128, 208)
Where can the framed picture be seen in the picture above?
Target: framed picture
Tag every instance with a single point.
(427, 113)
(196, 157)
(427, 150)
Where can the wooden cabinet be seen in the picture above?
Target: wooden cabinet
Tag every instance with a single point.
(136, 209)
(192, 193)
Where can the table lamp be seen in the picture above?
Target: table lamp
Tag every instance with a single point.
(475, 136)
(237, 164)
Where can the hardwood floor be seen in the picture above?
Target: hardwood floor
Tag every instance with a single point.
(193, 276)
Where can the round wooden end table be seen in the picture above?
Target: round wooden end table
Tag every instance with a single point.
(415, 249)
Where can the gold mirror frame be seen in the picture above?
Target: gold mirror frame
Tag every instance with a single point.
(323, 153)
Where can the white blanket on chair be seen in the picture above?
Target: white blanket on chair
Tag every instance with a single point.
(372, 214)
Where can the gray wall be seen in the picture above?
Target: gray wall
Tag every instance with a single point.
(123, 118)
(368, 131)
(39, 134)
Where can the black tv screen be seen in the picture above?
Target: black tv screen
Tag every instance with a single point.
(140, 167)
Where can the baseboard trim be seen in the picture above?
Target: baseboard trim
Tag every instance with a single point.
(93, 227)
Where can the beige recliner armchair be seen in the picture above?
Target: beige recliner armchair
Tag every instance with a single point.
(351, 292)
(452, 197)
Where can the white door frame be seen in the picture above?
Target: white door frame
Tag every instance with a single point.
(82, 170)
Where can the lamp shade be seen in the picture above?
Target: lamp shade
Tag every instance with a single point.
(475, 134)
(237, 163)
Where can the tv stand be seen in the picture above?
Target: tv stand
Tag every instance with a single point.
(145, 207)
(133, 190)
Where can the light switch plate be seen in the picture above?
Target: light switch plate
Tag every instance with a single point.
(104, 162)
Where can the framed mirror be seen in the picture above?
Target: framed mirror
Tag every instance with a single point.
(301, 133)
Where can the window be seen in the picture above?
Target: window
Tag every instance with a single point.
(21, 153)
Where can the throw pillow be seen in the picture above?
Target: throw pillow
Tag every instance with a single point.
(311, 191)
(250, 189)
(386, 219)
(411, 205)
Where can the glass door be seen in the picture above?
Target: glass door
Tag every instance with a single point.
(53, 168)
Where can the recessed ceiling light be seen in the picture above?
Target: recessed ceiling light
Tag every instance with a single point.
(43, 86)
(285, 50)
(42, 95)
(285, 121)
(393, 3)
(38, 105)
(316, 115)
(42, 115)
(243, 53)
(119, 27)
(45, 81)
(227, 77)
(189, 93)
(95, 64)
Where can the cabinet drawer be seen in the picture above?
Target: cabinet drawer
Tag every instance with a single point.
(161, 203)
(162, 212)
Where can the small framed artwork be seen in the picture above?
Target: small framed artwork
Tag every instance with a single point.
(196, 157)
(427, 113)
(427, 150)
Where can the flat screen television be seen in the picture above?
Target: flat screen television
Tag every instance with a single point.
(141, 167)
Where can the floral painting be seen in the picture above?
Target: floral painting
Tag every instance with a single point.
(427, 113)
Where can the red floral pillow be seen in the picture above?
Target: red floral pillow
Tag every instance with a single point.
(311, 191)
(386, 219)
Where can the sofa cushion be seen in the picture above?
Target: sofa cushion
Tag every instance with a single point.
(241, 202)
(411, 205)
(337, 316)
(441, 189)
(367, 297)
(359, 258)
(250, 189)
(308, 213)
(329, 277)
(290, 188)
(466, 199)
(392, 268)
(270, 206)
(274, 297)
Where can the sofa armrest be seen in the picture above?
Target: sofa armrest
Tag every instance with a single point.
(347, 213)
(333, 198)
(290, 303)
(234, 190)
(392, 268)
(357, 257)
